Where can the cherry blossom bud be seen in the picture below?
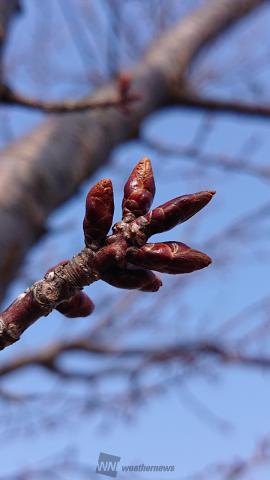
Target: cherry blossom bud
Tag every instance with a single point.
(98, 212)
(131, 278)
(139, 191)
(169, 257)
(176, 211)
(80, 305)
(112, 255)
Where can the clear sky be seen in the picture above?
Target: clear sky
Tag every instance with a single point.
(208, 418)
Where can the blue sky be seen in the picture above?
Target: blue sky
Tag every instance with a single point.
(170, 428)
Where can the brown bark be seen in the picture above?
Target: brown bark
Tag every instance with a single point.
(46, 167)
(9, 97)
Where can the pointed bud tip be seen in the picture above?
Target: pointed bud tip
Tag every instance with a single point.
(210, 193)
(144, 165)
(206, 196)
(206, 260)
(106, 182)
(99, 187)
(146, 160)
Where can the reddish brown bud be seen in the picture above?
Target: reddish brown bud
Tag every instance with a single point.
(112, 255)
(80, 305)
(139, 191)
(176, 211)
(131, 278)
(98, 212)
(169, 257)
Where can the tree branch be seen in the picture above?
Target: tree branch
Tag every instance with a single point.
(236, 469)
(43, 161)
(187, 353)
(122, 99)
(214, 160)
(193, 101)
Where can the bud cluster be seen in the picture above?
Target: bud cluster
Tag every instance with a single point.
(123, 259)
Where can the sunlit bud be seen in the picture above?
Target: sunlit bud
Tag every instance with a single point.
(139, 191)
(98, 212)
(169, 257)
(176, 211)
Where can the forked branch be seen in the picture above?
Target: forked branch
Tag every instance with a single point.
(122, 100)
